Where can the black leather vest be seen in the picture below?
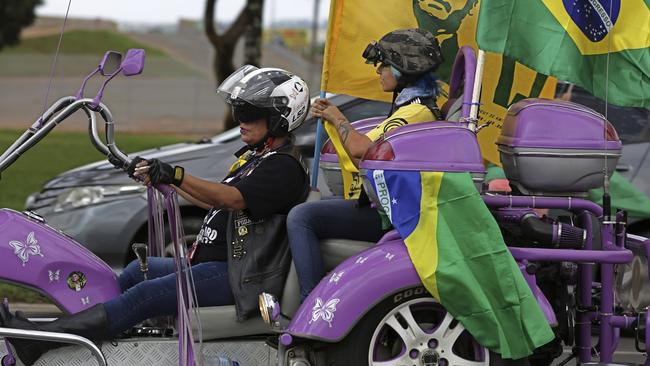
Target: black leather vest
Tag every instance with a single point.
(258, 250)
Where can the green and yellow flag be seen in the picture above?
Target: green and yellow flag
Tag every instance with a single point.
(600, 45)
(355, 23)
(459, 254)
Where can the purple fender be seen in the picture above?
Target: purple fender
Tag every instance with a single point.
(352, 289)
(37, 256)
(359, 283)
(539, 295)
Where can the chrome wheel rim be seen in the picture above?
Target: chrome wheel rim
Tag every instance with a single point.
(421, 332)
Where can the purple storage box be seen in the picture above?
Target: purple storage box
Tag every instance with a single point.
(329, 161)
(429, 146)
(551, 147)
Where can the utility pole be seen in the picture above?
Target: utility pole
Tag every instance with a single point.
(312, 53)
(314, 30)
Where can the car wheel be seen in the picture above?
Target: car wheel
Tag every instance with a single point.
(411, 329)
(191, 227)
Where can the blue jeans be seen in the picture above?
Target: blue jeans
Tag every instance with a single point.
(310, 222)
(141, 300)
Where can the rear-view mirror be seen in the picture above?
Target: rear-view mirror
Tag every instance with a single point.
(110, 63)
(133, 62)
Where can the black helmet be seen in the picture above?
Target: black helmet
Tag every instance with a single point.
(411, 51)
(256, 93)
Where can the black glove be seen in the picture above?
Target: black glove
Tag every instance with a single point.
(117, 163)
(160, 172)
(130, 170)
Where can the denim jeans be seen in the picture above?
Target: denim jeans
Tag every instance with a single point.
(310, 222)
(156, 296)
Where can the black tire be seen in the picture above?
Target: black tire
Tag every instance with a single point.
(431, 343)
(191, 227)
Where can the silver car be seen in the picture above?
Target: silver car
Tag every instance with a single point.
(106, 211)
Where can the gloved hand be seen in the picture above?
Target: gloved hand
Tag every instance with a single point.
(131, 168)
(160, 172)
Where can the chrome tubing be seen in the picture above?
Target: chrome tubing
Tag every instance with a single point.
(110, 134)
(38, 135)
(57, 106)
(56, 337)
(92, 131)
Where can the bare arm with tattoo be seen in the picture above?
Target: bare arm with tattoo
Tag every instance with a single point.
(355, 143)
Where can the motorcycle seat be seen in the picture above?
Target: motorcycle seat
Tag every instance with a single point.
(220, 321)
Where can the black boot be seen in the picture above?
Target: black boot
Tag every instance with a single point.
(90, 323)
(27, 350)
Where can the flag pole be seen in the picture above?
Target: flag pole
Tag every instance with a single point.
(317, 146)
(476, 91)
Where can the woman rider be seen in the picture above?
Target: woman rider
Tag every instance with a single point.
(407, 59)
(246, 220)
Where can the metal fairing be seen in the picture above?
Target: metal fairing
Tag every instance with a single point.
(352, 289)
(40, 257)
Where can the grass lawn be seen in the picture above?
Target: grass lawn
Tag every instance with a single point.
(56, 153)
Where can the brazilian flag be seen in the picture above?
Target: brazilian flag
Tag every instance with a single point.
(459, 254)
(600, 45)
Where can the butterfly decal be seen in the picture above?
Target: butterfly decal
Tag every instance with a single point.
(336, 277)
(324, 311)
(54, 275)
(24, 250)
(361, 260)
(85, 300)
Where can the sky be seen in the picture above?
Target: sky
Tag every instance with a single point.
(169, 11)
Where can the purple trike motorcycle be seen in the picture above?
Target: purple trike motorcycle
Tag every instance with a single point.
(371, 308)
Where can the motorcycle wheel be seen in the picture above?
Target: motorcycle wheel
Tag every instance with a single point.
(411, 328)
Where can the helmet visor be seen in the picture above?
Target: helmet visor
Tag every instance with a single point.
(250, 85)
(225, 89)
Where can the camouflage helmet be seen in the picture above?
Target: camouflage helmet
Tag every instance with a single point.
(411, 51)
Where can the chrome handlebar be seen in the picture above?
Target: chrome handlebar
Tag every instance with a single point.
(57, 113)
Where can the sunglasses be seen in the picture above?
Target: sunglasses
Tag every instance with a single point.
(248, 114)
